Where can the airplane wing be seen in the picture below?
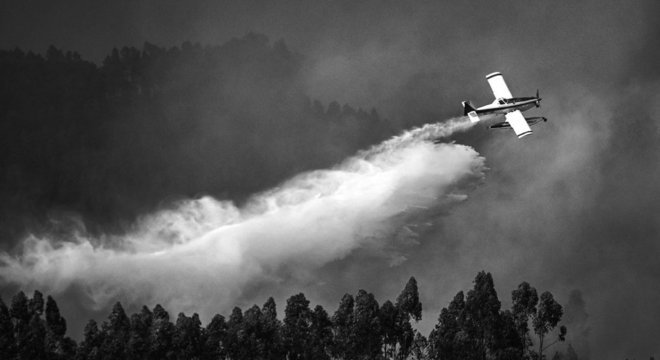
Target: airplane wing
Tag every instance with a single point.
(518, 123)
(497, 84)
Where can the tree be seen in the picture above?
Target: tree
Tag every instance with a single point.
(253, 342)
(448, 340)
(7, 342)
(19, 308)
(408, 301)
(33, 346)
(366, 329)
(341, 325)
(389, 326)
(138, 343)
(24, 333)
(271, 330)
(419, 350)
(548, 314)
(235, 335)
(36, 304)
(482, 316)
(509, 343)
(216, 334)
(89, 348)
(115, 333)
(160, 335)
(187, 339)
(55, 330)
(407, 306)
(296, 331)
(524, 301)
(321, 334)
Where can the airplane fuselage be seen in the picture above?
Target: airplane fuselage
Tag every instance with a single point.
(504, 106)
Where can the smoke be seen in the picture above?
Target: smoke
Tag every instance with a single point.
(202, 254)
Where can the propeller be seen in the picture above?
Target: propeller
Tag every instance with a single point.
(538, 99)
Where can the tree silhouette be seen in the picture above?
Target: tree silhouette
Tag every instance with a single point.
(449, 338)
(115, 333)
(57, 345)
(216, 335)
(524, 301)
(161, 335)
(548, 314)
(188, 337)
(471, 327)
(366, 329)
(7, 341)
(297, 328)
(138, 343)
(342, 320)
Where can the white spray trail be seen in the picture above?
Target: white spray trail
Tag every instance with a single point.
(200, 254)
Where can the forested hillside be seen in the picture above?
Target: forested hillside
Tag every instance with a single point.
(154, 124)
(473, 326)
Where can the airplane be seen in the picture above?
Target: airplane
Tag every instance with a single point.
(508, 105)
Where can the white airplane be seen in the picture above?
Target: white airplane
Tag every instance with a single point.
(508, 105)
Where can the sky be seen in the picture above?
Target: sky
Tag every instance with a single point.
(572, 209)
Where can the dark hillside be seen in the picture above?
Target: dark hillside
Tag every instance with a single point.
(154, 124)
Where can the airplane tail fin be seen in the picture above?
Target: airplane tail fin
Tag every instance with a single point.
(467, 108)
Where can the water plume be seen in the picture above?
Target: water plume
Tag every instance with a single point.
(201, 254)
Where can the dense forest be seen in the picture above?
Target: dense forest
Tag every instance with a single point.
(151, 125)
(473, 326)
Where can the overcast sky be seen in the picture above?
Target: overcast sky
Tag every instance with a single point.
(575, 206)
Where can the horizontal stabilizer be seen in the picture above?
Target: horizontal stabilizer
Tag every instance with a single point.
(473, 116)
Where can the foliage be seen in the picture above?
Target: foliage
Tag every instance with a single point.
(473, 326)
